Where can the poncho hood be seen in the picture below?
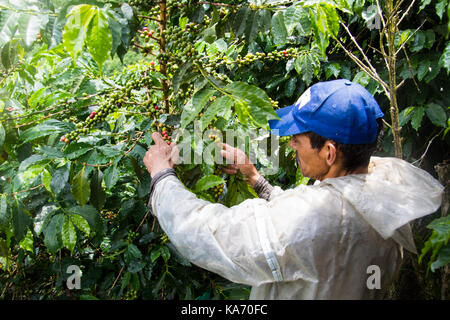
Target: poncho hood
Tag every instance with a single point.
(391, 195)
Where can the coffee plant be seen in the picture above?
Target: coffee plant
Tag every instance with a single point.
(73, 187)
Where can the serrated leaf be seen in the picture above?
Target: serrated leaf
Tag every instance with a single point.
(81, 223)
(208, 182)
(81, 188)
(68, 234)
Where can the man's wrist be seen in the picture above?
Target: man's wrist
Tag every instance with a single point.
(253, 179)
(159, 169)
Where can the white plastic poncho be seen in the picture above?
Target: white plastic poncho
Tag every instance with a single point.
(310, 242)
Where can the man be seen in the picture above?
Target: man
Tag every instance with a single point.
(341, 238)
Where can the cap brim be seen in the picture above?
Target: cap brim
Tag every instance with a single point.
(287, 126)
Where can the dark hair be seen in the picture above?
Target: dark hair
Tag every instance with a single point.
(355, 155)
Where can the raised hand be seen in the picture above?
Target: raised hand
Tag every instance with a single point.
(240, 162)
(160, 156)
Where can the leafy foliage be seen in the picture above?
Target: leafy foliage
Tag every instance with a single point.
(73, 186)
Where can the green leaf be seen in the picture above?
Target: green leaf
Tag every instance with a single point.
(75, 150)
(436, 114)
(304, 67)
(52, 233)
(44, 129)
(46, 179)
(240, 21)
(290, 87)
(208, 182)
(5, 213)
(278, 28)
(27, 242)
(98, 38)
(260, 107)
(29, 27)
(133, 253)
(111, 176)
(89, 213)
(81, 188)
(221, 104)
(81, 223)
(292, 16)
(416, 117)
(332, 69)
(190, 112)
(445, 58)
(42, 219)
(98, 195)
(2, 136)
(59, 179)
(76, 28)
(34, 159)
(443, 258)
(21, 220)
(9, 27)
(440, 8)
(68, 234)
(424, 3)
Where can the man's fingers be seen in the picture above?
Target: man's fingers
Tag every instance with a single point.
(158, 138)
(230, 169)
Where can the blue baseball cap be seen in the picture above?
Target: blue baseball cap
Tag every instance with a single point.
(338, 110)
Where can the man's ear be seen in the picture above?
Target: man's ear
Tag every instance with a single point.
(330, 152)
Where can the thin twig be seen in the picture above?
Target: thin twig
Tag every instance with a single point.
(359, 48)
(406, 12)
(404, 43)
(115, 281)
(426, 150)
(21, 191)
(373, 75)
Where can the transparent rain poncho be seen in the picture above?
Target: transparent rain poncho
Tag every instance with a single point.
(310, 242)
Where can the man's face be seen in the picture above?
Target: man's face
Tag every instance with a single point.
(312, 162)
